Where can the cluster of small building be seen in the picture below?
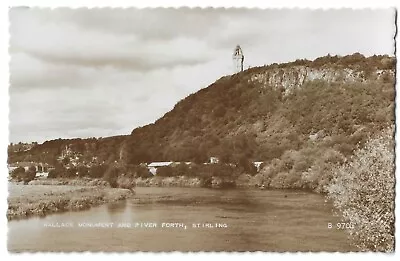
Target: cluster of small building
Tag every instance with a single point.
(75, 159)
(42, 169)
(213, 160)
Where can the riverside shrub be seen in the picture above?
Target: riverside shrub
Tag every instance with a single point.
(363, 191)
(18, 173)
(29, 175)
(111, 176)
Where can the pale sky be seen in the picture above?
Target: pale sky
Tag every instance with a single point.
(103, 72)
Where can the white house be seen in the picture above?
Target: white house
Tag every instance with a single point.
(42, 174)
(257, 164)
(11, 168)
(214, 160)
(154, 165)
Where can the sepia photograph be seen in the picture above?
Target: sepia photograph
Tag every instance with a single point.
(201, 129)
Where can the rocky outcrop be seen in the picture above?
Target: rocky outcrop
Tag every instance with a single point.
(293, 77)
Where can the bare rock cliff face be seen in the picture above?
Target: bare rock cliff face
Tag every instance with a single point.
(293, 77)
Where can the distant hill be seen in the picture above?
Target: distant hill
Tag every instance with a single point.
(258, 115)
(100, 149)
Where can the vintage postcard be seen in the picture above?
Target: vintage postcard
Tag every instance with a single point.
(201, 129)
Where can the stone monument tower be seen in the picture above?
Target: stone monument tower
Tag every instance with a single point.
(238, 59)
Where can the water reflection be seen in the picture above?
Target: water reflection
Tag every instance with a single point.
(254, 219)
(116, 207)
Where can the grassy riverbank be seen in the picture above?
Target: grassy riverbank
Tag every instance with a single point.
(180, 181)
(39, 200)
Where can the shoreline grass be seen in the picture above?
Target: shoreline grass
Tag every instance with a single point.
(26, 201)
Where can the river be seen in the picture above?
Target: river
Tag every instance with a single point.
(189, 219)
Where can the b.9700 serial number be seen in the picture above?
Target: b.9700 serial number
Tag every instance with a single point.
(342, 225)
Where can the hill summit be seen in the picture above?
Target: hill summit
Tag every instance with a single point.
(259, 114)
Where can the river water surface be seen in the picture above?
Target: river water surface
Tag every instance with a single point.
(189, 219)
